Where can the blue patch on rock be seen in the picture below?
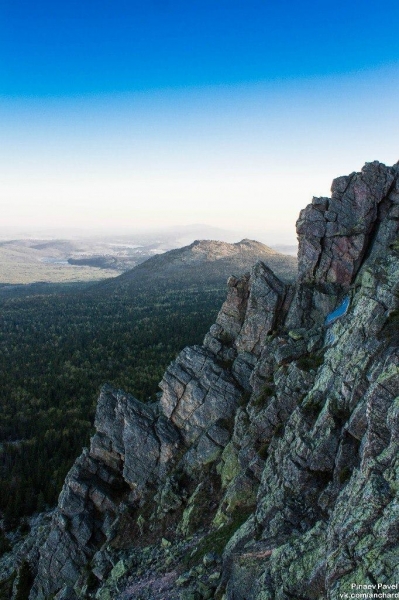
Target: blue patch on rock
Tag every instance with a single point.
(338, 312)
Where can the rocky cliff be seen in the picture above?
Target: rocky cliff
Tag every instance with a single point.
(269, 467)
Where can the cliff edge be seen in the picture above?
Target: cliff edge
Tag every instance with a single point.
(269, 467)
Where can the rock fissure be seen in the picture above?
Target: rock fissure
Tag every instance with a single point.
(277, 451)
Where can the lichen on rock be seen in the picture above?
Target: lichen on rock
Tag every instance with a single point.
(272, 441)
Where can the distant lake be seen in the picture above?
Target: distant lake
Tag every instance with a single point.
(131, 246)
(55, 261)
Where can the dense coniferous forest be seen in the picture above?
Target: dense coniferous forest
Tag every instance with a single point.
(57, 349)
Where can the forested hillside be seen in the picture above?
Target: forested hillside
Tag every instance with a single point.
(60, 343)
(269, 467)
(55, 352)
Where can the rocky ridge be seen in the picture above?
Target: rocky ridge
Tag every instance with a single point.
(269, 467)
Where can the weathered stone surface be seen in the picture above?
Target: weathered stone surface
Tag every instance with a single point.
(331, 248)
(330, 482)
(197, 392)
(232, 314)
(265, 299)
(122, 462)
(277, 440)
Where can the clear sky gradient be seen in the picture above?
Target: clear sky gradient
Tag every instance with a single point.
(123, 114)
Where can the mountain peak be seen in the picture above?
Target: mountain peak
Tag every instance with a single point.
(209, 260)
(269, 464)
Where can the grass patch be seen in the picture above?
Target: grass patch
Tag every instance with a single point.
(265, 393)
(311, 404)
(244, 398)
(278, 430)
(216, 541)
(310, 362)
(395, 245)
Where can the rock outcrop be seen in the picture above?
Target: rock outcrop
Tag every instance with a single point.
(269, 467)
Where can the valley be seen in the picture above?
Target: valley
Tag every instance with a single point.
(60, 342)
(270, 455)
(65, 257)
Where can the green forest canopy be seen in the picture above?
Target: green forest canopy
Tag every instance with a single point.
(57, 349)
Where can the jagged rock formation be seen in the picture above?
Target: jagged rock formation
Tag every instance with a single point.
(275, 444)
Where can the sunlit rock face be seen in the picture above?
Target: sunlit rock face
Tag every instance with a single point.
(335, 233)
(269, 467)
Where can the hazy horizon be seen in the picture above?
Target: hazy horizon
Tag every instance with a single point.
(190, 231)
(133, 117)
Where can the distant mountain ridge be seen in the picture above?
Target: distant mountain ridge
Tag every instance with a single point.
(29, 260)
(268, 469)
(209, 260)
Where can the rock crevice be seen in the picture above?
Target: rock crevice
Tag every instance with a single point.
(276, 442)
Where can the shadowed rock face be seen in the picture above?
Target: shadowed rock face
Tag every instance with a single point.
(282, 431)
(128, 455)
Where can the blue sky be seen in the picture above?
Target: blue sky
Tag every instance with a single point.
(126, 115)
